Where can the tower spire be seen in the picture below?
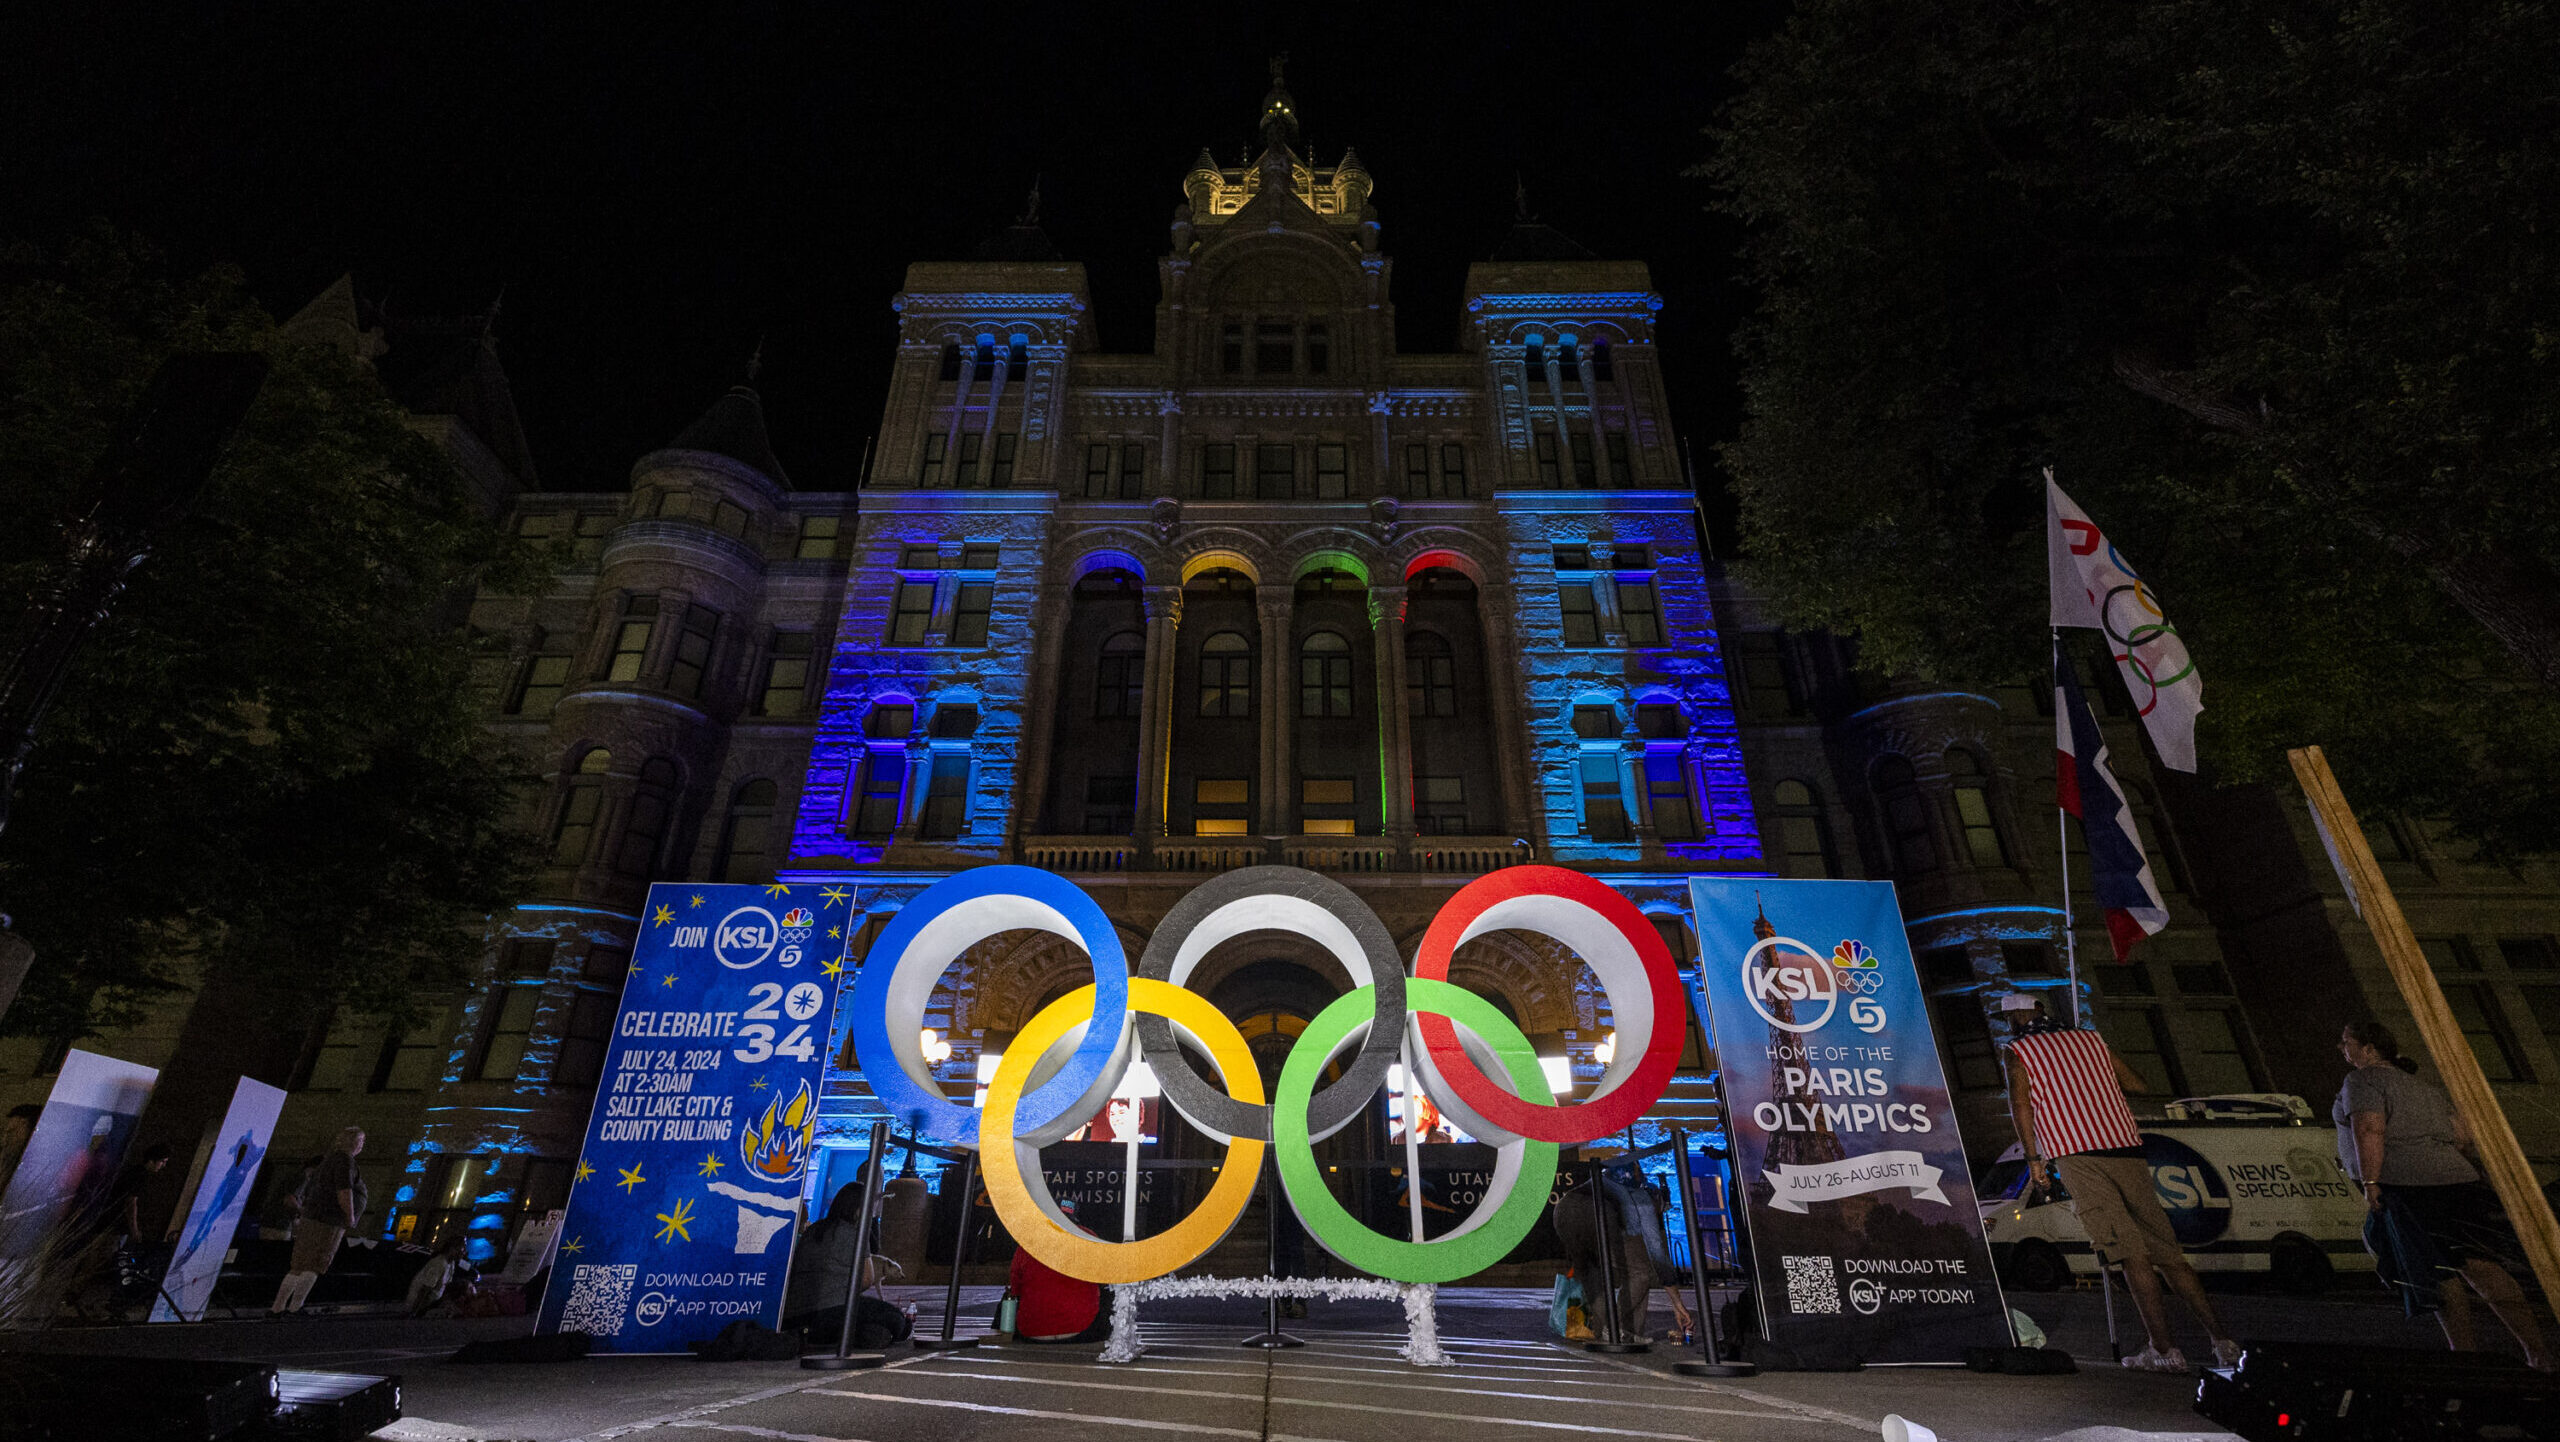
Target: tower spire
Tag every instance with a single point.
(1279, 112)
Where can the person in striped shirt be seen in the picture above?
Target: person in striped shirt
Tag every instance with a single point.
(2066, 1094)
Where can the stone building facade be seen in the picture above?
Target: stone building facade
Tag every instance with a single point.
(1276, 591)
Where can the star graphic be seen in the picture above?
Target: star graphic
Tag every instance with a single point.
(709, 1166)
(776, 888)
(756, 1085)
(662, 916)
(676, 1221)
(834, 894)
(630, 1177)
(573, 1246)
(697, 901)
(832, 968)
(584, 1171)
(635, 968)
(671, 979)
(835, 933)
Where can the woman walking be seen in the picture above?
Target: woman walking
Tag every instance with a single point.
(2434, 1227)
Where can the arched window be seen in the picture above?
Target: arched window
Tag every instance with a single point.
(1802, 839)
(1119, 677)
(1906, 815)
(950, 360)
(746, 845)
(1324, 675)
(891, 718)
(1973, 809)
(1226, 676)
(645, 833)
(577, 827)
(1430, 674)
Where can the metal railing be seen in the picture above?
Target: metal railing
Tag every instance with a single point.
(1442, 855)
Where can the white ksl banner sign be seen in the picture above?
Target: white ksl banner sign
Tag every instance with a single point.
(1853, 1176)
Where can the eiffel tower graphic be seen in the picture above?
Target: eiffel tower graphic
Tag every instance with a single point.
(1793, 1147)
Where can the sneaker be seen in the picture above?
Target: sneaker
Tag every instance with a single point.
(2152, 1359)
(2226, 1353)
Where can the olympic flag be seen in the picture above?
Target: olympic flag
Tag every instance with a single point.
(2094, 586)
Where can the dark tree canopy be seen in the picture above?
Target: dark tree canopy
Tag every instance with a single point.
(267, 766)
(2272, 285)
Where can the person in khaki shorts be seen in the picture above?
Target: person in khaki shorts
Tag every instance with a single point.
(2066, 1093)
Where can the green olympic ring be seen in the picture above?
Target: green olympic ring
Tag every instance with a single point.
(1524, 1171)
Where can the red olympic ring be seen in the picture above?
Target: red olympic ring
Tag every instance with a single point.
(1592, 919)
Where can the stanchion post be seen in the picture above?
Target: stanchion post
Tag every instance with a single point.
(959, 1258)
(1271, 1335)
(1603, 1244)
(1714, 1364)
(846, 1359)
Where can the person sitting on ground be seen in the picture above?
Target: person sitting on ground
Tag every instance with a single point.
(813, 1299)
(449, 1269)
(2435, 1229)
(2066, 1094)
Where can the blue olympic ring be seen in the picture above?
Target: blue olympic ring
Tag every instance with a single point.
(926, 936)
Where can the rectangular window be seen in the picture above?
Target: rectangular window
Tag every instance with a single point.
(2449, 954)
(582, 1048)
(1275, 472)
(1097, 472)
(1333, 472)
(2135, 1035)
(1549, 476)
(2476, 1011)
(1417, 470)
(1231, 349)
(675, 505)
(1573, 558)
(1337, 791)
(1946, 966)
(1453, 468)
(953, 723)
(930, 475)
(875, 810)
(1218, 793)
(966, 473)
(946, 798)
(969, 614)
(2544, 1003)
(1981, 838)
(1637, 613)
(545, 677)
(1110, 805)
(1595, 723)
(1604, 808)
(631, 639)
(2133, 979)
(1766, 686)
(914, 613)
(1675, 814)
(1133, 471)
(2200, 978)
(818, 535)
(786, 674)
(1275, 348)
(920, 558)
(693, 650)
(2217, 1064)
(890, 723)
(2026, 958)
(1440, 805)
(978, 558)
(2530, 953)
(506, 1024)
(1585, 474)
(1327, 826)
(1319, 350)
(1659, 721)
(1581, 617)
(593, 528)
(577, 823)
(1218, 472)
(1973, 1063)
(1632, 558)
(729, 519)
(1001, 473)
(1621, 472)
(605, 965)
(1218, 826)
(1801, 838)
(410, 1061)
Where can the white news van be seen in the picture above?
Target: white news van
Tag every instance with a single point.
(2251, 1183)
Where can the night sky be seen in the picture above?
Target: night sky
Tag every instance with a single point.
(654, 191)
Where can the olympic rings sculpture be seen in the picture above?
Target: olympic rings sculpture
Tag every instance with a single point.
(1469, 1058)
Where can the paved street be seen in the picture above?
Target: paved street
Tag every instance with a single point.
(1511, 1381)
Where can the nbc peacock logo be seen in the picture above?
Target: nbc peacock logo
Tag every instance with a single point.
(798, 916)
(776, 1146)
(1852, 955)
(1855, 968)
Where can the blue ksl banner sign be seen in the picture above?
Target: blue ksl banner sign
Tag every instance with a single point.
(1864, 1229)
(682, 1211)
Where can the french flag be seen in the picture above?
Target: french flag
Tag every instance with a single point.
(2087, 789)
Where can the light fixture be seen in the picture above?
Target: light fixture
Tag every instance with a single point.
(1559, 1070)
(1607, 1051)
(935, 1050)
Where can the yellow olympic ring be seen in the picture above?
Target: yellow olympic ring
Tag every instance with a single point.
(1025, 1206)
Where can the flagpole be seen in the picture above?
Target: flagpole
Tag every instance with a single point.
(2062, 837)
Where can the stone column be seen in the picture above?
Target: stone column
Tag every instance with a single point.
(1155, 702)
(1564, 436)
(1639, 794)
(1512, 751)
(919, 783)
(1591, 398)
(1395, 719)
(995, 403)
(1165, 480)
(1040, 708)
(1382, 478)
(959, 408)
(1279, 705)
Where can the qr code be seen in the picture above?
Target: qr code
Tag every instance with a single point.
(600, 1297)
(1812, 1287)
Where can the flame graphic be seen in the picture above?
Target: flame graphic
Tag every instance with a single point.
(776, 1146)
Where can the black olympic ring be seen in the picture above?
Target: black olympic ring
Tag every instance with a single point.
(1274, 898)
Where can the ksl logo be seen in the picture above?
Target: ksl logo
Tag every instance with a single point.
(1782, 977)
(745, 937)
